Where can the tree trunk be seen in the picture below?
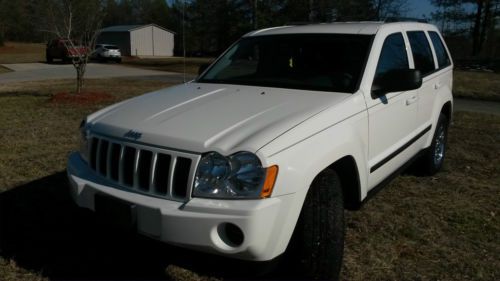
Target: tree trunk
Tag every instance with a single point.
(78, 81)
(485, 26)
(254, 14)
(80, 72)
(312, 11)
(477, 28)
(379, 4)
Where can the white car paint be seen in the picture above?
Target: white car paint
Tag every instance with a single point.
(303, 132)
(242, 118)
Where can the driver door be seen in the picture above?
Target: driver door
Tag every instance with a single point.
(392, 116)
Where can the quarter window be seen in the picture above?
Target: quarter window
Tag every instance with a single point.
(393, 55)
(422, 54)
(441, 54)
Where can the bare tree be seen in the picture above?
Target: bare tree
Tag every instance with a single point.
(78, 23)
(390, 8)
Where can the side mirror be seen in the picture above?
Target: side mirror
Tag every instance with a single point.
(202, 68)
(396, 81)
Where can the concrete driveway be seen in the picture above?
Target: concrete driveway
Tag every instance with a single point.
(490, 107)
(23, 72)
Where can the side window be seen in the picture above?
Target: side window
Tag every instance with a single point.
(393, 55)
(422, 54)
(441, 54)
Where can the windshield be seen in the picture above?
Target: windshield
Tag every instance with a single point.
(323, 62)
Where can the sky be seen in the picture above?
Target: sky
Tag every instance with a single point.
(418, 8)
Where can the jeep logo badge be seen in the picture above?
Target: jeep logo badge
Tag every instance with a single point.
(133, 135)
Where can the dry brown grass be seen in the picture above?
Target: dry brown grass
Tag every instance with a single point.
(444, 227)
(10, 271)
(13, 52)
(37, 135)
(476, 85)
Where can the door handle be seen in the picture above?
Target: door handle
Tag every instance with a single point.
(411, 100)
(437, 86)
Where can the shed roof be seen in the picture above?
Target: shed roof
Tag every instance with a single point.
(128, 28)
(120, 28)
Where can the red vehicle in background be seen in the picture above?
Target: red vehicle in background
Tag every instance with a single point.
(63, 49)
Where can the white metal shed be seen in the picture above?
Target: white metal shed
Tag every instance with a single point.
(139, 40)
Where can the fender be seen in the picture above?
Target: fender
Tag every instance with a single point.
(306, 159)
(309, 148)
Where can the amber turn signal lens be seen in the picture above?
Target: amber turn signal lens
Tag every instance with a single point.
(271, 174)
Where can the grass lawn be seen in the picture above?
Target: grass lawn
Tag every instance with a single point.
(444, 227)
(13, 52)
(174, 64)
(477, 85)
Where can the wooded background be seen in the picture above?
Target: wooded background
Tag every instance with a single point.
(471, 27)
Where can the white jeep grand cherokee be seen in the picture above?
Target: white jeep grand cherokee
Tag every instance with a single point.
(286, 129)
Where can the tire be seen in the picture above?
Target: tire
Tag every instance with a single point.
(49, 58)
(318, 239)
(433, 158)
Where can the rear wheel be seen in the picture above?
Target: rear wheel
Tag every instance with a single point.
(433, 158)
(318, 240)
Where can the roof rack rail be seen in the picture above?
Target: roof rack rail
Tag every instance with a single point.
(302, 22)
(404, 19)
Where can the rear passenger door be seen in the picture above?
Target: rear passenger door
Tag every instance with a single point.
(431, 58)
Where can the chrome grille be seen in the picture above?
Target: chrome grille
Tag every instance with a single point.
(144, 169)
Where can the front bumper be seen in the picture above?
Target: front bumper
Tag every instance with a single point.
(198, 223)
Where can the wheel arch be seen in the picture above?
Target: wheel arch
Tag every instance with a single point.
(348, 173)
(447, 110)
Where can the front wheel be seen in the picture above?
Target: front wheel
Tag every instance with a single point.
(433, 158)
(318, 240)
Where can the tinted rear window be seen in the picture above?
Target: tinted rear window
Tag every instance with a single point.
(422, 54)
(441, 54)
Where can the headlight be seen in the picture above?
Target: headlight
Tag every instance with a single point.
(238, 176)
(84, 144)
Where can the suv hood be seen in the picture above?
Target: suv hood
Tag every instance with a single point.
(200, 117)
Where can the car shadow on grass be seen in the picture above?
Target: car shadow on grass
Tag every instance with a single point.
(43, 231)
